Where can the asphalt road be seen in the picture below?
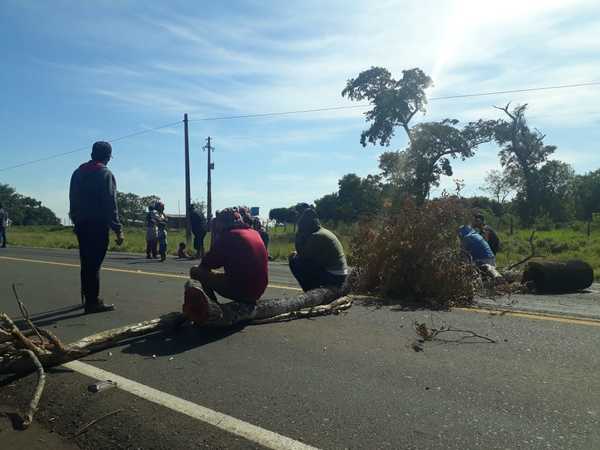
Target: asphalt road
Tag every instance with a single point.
(346, 381)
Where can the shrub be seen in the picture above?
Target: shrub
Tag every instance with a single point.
(413, 253)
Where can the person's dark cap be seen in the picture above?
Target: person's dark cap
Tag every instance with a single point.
(101, 151)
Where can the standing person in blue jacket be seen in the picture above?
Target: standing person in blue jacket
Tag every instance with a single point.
(94, 211)
(476, 246)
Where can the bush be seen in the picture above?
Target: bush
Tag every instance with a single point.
(413, 253)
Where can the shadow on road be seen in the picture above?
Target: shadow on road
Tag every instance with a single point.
(187, 338)
(52, 316)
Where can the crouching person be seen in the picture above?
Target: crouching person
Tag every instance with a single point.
(239, 250)
(319, 259)
(476, 246)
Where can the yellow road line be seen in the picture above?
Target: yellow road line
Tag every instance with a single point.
(533, 316)
(135, 272)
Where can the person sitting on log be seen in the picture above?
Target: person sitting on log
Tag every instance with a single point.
(319, 259)
(240, 251)
(476, 246)
(486, 231)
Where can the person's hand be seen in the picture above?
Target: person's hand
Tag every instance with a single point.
(120, 238)
(292, 255)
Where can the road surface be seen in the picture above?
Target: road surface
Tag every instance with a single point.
(346, 381)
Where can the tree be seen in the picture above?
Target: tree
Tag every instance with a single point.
(132, 207)
(395, 102)
(23, 210)
(499, 184)
(428, 156)
(328, 207)
(522, 152)
(586, 191)
(556, 190)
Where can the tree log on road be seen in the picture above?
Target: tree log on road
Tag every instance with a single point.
(52, 352)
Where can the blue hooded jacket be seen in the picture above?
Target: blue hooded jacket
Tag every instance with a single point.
(475, 244)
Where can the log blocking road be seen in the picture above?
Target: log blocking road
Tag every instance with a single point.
(346, 381)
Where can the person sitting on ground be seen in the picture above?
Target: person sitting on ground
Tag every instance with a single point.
(476, 246)
(199, 229)
(161, 222)
(319, 259)
(486, 231)
(181, 251)
(240, 251)
(151, 233)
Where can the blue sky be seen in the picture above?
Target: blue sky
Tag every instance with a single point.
(76, 72)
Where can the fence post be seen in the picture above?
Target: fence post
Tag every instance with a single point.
(511, 225)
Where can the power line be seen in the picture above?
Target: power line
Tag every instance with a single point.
(366, 105)
(305, 111)
(87, 147)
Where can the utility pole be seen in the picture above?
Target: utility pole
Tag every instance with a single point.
(210, 166)
(188, 228)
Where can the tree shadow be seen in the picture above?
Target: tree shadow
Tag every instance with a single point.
(51, 317)
(180, 341)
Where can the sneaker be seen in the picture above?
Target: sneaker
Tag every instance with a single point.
(98, 307)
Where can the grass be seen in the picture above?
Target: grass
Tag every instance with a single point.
(560, 244)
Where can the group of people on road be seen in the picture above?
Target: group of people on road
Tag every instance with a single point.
(238, 241)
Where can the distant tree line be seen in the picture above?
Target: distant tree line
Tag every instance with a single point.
(530, 185)
(23, 210)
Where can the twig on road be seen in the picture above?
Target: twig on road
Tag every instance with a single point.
(27, 418)
(84, 428)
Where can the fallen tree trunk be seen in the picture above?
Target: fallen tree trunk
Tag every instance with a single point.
(53, 352)
(557, 277)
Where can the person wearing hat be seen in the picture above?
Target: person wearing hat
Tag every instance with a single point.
(94, 212)
(486, 231)
(319, 259)
(199, 229)
(240, 251)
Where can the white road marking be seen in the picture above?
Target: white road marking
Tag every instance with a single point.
(227, 423)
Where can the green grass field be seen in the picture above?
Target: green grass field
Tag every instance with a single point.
(559, 244)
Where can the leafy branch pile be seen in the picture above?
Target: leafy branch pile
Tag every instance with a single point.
(413, 253)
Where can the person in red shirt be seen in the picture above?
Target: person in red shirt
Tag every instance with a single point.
(240, 251)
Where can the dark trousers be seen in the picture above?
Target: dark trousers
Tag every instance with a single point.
(151, 248)
(3, 236)
(217, 282)
(93, 243)
(199, 243)
(311, 276)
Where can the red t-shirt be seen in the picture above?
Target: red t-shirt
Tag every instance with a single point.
(242, 253)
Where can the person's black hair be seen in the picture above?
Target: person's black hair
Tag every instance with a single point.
(101, 151)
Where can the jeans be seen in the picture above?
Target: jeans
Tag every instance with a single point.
(151, 248)
(3, 235)
(310, 276)
(93, 244)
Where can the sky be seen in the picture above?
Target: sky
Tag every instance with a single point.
(76, 72)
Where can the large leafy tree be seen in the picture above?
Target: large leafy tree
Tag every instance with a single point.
(428, 157)
(522, 153)
(395, 102)
(23, 210)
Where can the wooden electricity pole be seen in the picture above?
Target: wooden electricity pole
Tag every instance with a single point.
(210, 167)
(188, 227)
